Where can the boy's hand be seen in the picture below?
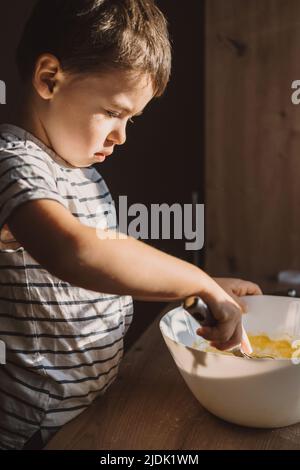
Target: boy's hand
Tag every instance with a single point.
(227, 309)
(228, 331)
(237, 288)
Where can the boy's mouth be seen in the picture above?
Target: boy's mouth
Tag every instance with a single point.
(100, 157)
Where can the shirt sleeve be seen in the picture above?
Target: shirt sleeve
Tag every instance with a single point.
(24, 177)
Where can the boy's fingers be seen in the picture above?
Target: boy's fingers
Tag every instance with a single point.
(227, 311)
(233, 341)
(254, 289)
(248, 288)
(241, 303)
(204, 331)
(220, 333)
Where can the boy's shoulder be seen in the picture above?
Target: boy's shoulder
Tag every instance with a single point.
(23, 159)
(10, 139)
(14, 140)
(18, 146)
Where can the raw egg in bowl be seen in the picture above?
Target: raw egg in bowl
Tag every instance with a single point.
(258, 392)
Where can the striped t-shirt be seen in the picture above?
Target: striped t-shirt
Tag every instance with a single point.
(63, 343)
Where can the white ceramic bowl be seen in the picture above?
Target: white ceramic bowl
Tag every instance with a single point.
(261, 393)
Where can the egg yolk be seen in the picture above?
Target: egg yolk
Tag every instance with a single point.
(262, 346)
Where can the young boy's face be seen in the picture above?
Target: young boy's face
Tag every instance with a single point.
(86, 116)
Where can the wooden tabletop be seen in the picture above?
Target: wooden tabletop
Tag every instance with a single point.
(150, 407)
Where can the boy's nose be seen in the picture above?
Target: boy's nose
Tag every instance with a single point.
(118, 135)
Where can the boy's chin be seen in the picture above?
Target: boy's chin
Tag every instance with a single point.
(83, 163)
(86, 162)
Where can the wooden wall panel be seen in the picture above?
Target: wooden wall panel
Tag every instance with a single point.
(252, 178)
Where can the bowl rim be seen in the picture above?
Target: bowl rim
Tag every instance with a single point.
(214, 353)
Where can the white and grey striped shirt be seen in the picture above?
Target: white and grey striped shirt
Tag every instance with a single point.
(63, 343)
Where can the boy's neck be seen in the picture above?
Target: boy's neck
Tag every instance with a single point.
(27, 118)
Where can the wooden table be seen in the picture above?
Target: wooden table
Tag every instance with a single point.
(150, 407)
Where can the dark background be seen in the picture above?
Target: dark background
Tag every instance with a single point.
(162, 160)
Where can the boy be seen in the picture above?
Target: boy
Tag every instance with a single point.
(66, 287)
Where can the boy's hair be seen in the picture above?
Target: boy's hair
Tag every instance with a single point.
(89, 36)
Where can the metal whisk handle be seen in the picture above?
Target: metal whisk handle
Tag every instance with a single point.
(199, 310)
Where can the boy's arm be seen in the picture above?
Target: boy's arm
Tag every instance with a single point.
(73, 252)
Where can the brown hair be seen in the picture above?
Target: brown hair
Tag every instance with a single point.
(89, 36)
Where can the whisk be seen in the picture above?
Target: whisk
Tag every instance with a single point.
(200, 311)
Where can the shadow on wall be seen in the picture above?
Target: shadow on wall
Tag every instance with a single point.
(13, 15)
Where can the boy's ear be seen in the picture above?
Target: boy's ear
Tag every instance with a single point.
(46, 75)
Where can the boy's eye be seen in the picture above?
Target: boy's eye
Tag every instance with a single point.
(112, 114)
